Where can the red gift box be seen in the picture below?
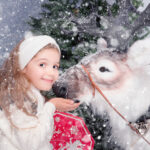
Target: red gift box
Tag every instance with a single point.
(70, 133)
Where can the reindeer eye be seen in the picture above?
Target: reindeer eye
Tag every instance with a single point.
(103, 69)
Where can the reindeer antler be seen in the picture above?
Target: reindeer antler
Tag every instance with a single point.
(143, 19)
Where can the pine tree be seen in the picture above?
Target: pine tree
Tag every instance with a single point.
(60, 18)
(56, 20)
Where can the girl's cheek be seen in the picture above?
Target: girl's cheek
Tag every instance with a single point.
(57, 75)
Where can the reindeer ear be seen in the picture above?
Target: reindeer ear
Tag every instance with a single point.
(139, 53)
(101, 44)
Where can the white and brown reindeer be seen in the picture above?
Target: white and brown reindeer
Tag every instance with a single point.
(124, 79)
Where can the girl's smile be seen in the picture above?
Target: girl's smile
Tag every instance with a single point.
(49, 81)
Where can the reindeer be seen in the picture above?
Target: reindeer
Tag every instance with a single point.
(124, 80)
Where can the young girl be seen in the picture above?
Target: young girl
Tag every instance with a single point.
(26, 120)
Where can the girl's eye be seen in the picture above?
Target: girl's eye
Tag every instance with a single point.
(56, 67)
(42, 65)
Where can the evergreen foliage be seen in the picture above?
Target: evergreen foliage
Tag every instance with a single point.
(56, 20)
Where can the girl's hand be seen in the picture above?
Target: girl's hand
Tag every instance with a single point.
(62, 104)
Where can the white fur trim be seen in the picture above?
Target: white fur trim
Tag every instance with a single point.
(31, 46)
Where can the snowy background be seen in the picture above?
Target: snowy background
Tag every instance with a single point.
(14, 15)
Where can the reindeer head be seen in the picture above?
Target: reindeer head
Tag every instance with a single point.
(114, 73)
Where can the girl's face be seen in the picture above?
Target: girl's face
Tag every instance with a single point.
(42, 70)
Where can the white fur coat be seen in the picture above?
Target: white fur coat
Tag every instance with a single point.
(34, 133)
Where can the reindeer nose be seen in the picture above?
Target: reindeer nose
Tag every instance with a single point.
(63, 92)
(60, 90)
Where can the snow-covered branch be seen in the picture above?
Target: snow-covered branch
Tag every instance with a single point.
(119, 30)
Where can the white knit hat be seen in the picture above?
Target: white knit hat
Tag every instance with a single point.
(31, 46)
